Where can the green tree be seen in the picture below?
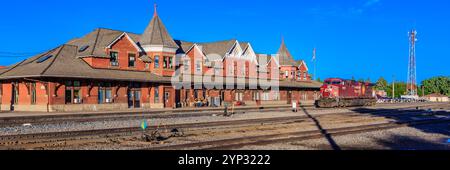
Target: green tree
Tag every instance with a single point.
(400, 89)
(382, 84)
(439, 85)
(318, 79)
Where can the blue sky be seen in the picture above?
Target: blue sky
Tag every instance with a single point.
(361, 38)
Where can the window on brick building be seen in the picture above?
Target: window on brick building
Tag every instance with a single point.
(266, 95)
(73, 92)
(243, 71)
(196, 94)
(131, 60)
(186, 66)
(156, 61)
(239, 96)
(170, 62)
(276, 95)
(165, 60)
(255, 95)
(235, 69)
(105, 93)
(188, 95)
(217, 71)
(114, 58)
(33, 93)
(16, 93)
(156, 89)
(198, 66)
(247, 69)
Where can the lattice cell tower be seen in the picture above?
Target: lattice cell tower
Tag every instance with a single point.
(412, 72)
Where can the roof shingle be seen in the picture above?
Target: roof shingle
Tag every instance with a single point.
(284, 56)
(65, 56)
(157, 34)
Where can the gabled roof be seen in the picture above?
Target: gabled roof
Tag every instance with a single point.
(183, 46)
(135, 45)
(236, 49)
(301, 63)
(98, 40)
(248, 48)
(65, 63)
(220, 48)
(284, 56)
(244, 45)
(157, 34)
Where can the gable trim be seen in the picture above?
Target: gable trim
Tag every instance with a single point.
(129, 38)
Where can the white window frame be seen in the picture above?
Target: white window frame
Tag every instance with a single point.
(198, 66)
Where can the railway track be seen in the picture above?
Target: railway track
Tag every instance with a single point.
(11, 140)
(54, 119)
(236, 143)
(64, 119)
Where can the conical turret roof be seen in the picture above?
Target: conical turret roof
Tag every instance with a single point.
(284, 56)
(157, 34)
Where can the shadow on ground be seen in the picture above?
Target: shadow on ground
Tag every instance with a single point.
(399, 142)
(401, 115)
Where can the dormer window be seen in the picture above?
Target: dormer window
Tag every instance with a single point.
(114, 58)
(186, 66)
(131, 60)
(198, 66)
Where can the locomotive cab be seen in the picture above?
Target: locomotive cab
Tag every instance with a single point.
(336, 92)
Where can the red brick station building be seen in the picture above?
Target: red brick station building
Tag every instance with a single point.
(114, 70)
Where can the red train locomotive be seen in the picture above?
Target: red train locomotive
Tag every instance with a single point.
(345, 93)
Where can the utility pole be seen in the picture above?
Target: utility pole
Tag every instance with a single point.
(393, 87)
(315, 62)
(423, 90)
